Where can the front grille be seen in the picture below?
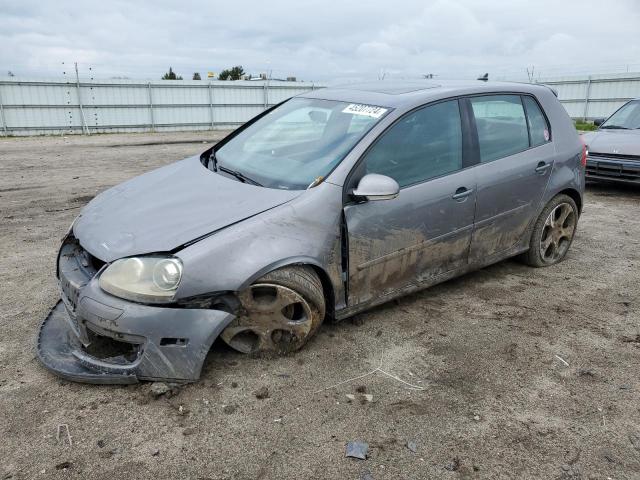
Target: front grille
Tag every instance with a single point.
(76, 268)
(95, 262)
(614, 156)
(610, 168)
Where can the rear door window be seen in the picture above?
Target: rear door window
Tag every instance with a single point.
(501, 124)
(538, 126)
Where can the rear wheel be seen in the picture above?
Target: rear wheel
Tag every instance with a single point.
(553, 232)
(281, 312)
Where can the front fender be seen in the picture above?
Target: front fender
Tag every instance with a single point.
(306, 230)
(297, 260)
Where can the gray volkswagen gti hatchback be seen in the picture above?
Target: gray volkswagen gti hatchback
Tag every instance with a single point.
(324, 205)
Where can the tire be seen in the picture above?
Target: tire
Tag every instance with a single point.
(552, 235)
(280, 312)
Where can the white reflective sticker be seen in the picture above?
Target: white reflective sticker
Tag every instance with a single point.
(366, 110)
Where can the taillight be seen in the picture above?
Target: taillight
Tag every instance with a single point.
(585, 153)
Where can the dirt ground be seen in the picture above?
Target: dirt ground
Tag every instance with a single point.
(525, 373)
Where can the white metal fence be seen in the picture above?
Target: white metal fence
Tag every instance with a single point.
(595, 96)
(54, 106)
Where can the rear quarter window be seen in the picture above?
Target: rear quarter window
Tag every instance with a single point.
(538, 125)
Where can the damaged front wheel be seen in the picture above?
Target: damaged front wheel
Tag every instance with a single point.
(281, 312)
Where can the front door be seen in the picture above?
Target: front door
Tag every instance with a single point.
(426, 230)
(516, 159)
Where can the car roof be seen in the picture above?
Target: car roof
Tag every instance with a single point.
(396, 94)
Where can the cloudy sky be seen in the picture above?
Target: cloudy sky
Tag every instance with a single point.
(321, 40)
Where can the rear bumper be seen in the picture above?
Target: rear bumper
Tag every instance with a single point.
(614, 170)
(145, 342)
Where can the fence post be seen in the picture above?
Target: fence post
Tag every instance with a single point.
(85, 127)
(586, 99)
(211, 104)
(4, 120)
(265, 91)
(153, 122)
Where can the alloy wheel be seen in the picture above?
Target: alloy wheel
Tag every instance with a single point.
(557, 233)
(274, 319)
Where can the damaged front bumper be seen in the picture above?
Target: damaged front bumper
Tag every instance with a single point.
(91, 336)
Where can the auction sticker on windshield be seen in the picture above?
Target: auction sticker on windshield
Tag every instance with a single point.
(366, 110)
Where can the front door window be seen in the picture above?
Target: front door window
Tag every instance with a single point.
(422, 145)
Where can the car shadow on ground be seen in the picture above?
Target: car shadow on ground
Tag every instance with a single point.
(610, 189)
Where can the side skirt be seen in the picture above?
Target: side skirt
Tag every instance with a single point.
(429, 282)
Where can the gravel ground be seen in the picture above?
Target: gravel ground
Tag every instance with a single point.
(526, 373)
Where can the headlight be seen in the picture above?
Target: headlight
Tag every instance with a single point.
(143, 279)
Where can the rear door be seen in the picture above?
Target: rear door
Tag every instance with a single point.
(426, 230)
(516, 159)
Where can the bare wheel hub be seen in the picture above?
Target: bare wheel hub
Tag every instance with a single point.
(557, 233)
(275, 319)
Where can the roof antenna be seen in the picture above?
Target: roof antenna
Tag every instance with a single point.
(484, 77)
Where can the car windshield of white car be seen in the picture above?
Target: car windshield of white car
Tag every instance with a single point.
(627, 118)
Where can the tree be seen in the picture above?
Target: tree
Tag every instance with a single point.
(171, 75)
(234, 73)
(196, 76)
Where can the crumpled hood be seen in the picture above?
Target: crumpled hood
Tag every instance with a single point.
(624, 142)
(168, 207)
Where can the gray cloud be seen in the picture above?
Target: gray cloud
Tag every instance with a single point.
(319, 40)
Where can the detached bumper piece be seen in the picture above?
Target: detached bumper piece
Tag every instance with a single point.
(143, 343)
(616, 168)
(93, 337)
(60, 350)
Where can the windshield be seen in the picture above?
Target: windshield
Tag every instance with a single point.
(297, 143)
(627, 118)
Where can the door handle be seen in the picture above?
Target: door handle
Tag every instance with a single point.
(542, 168)
(462, 193)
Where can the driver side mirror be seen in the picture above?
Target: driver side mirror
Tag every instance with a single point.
(377, 187)
(598, 121)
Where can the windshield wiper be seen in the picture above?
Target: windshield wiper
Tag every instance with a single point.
(614, 127)
(240, 176)
(213, 165)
